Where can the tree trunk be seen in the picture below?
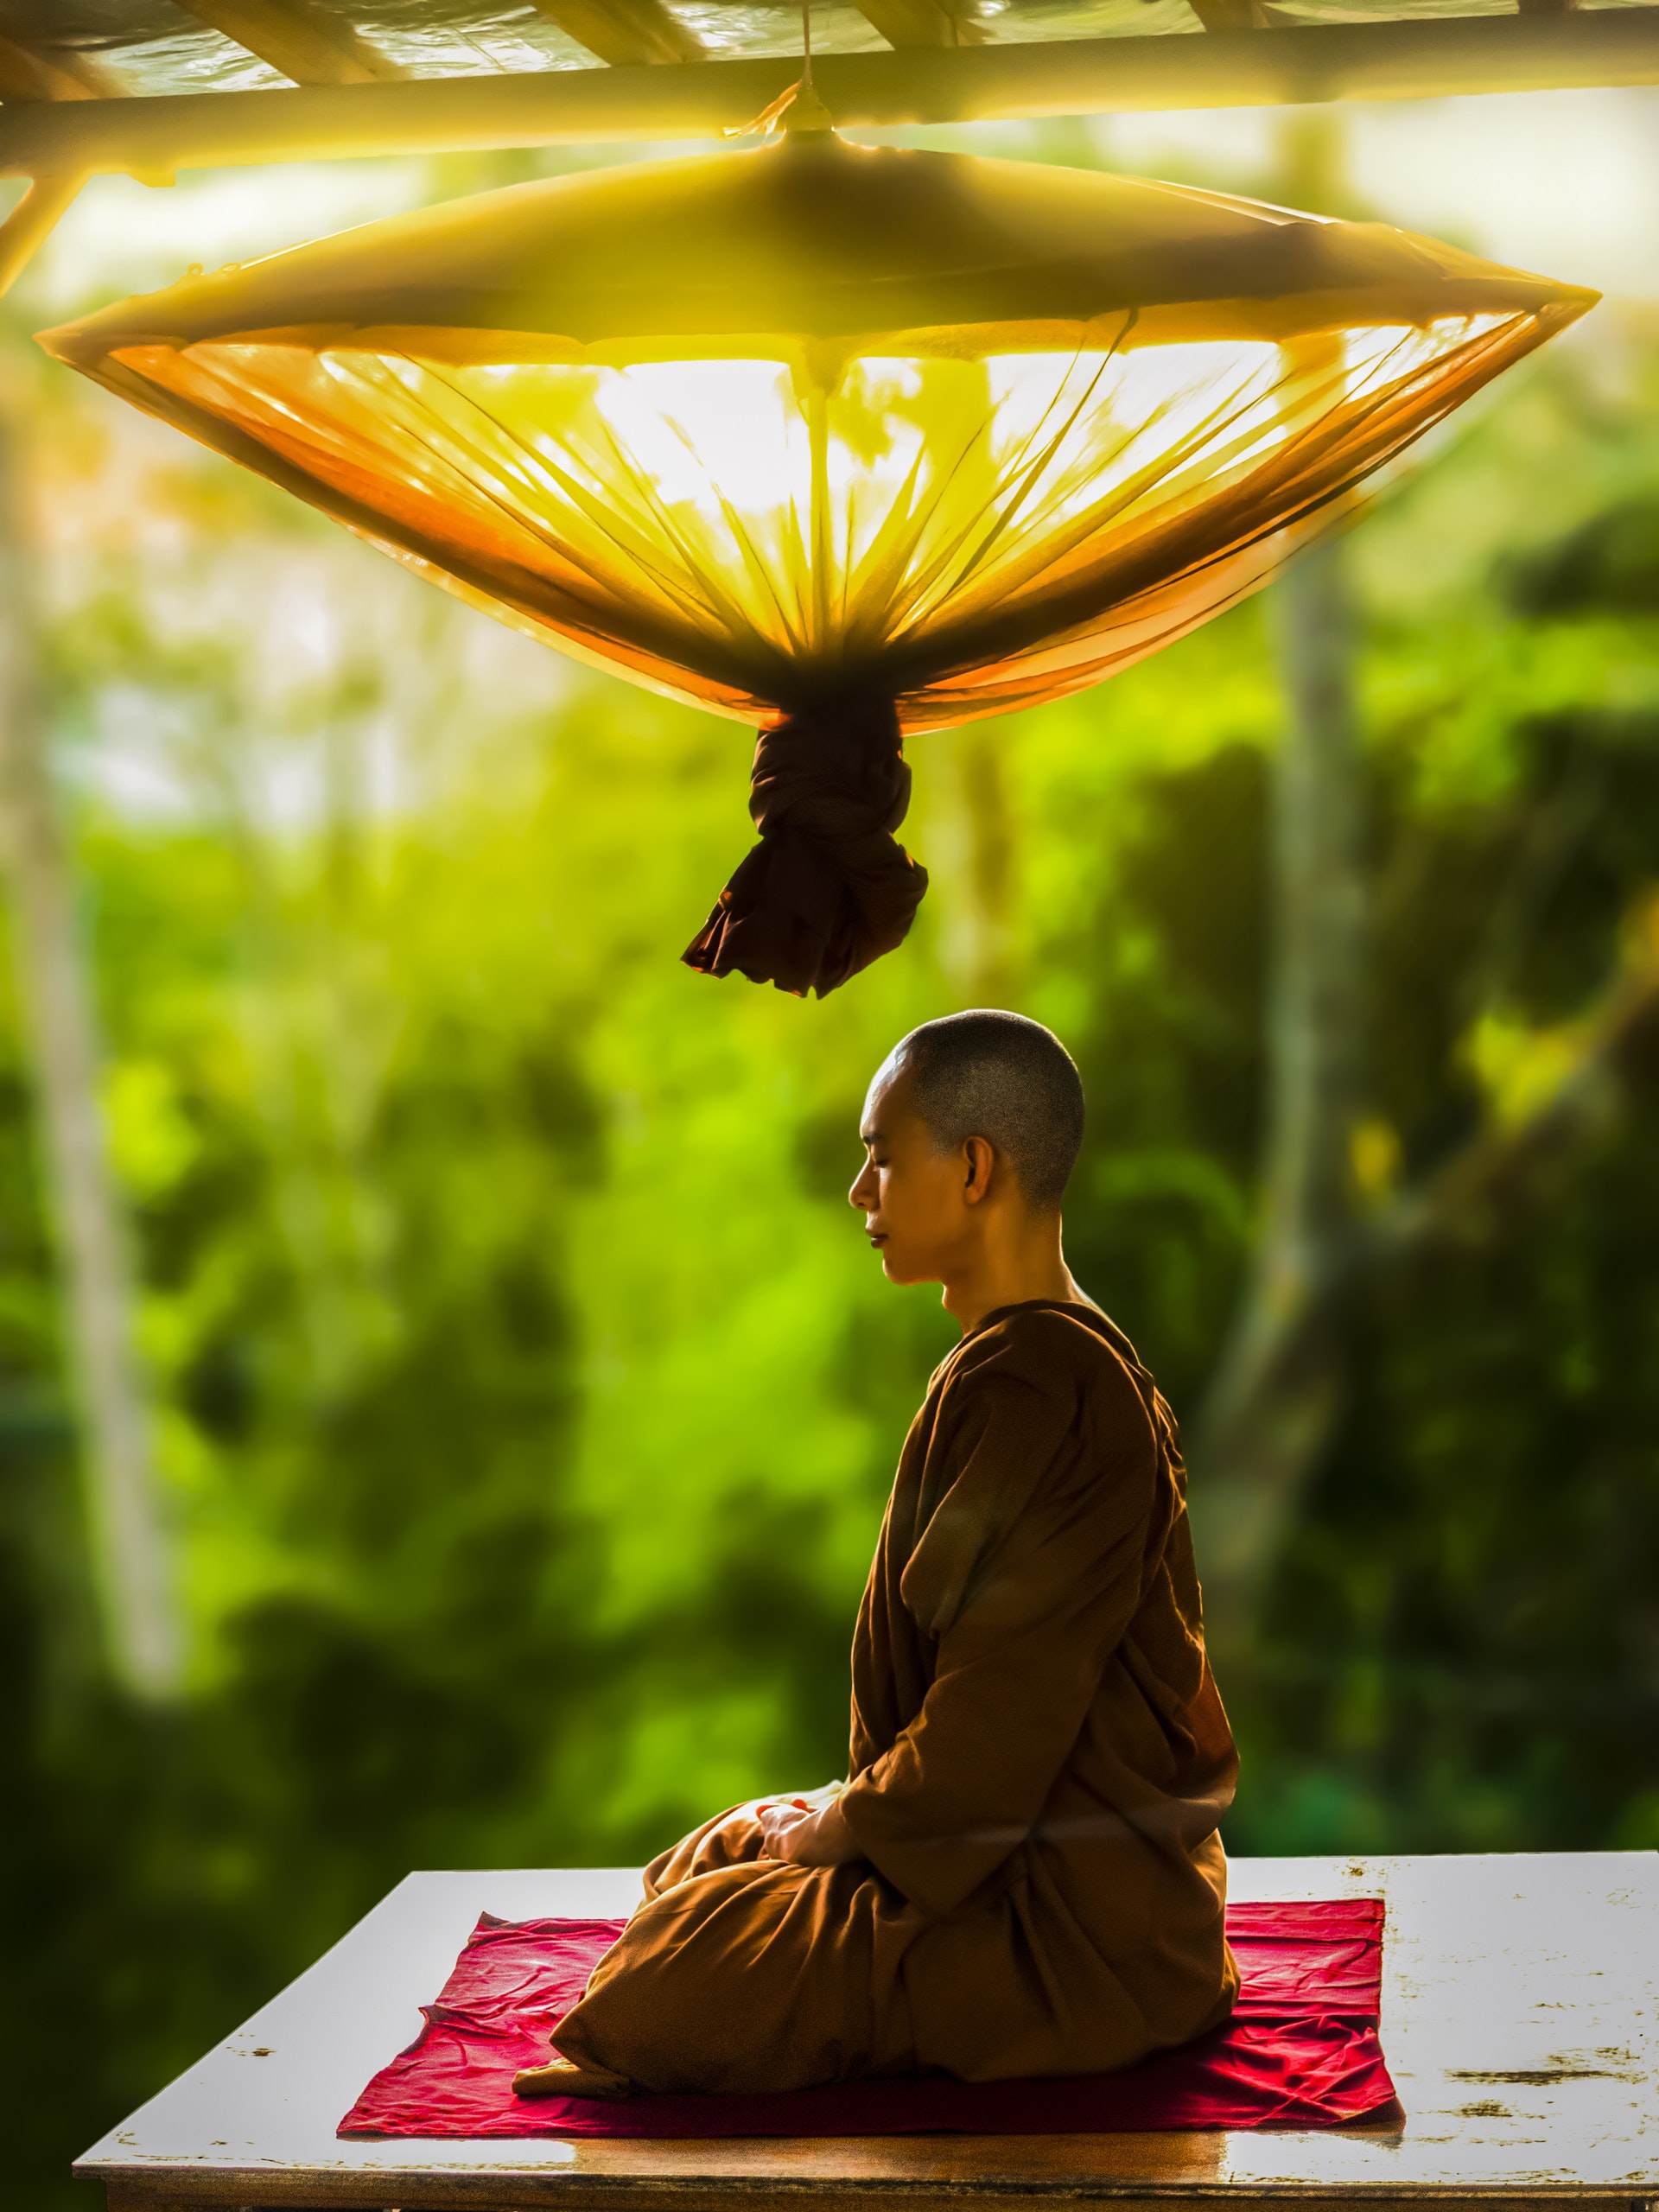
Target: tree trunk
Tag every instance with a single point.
(142, 1628)
(1276, 1391)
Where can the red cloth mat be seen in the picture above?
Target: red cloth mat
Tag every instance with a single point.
(1300, 2051)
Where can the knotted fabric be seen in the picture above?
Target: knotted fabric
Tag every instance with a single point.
(828, 889)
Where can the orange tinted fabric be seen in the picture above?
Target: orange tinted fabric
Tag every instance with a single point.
(812, 422)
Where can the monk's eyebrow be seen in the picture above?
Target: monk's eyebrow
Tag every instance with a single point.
(869, 1134)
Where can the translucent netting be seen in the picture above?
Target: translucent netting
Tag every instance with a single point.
(965, 534)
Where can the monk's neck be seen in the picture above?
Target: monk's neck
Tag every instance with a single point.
(1015, 1263)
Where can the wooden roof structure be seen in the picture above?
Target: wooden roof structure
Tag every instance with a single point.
(152, 86)
(147, 87)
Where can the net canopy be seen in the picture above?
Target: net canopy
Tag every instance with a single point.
(812, 426)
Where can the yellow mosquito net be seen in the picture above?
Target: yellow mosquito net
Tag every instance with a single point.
(844, 442)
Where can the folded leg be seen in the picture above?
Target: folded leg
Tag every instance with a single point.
(743, 1973)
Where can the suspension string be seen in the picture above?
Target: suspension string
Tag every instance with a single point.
(799, 108)
(808, 111)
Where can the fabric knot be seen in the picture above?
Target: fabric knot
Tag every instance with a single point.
(828, 889)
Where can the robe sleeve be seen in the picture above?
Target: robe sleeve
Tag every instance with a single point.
(1029, 1572)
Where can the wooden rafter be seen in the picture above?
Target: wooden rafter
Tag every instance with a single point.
(915, 22)
(25, 75)
(298, 41)
(31, 71)
(1426, 59)
(30, 223)
(1228, 14)
(628, 34)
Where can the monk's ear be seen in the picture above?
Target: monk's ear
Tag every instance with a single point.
(979, 1160)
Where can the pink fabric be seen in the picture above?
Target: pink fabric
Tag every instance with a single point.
(1300, 2051)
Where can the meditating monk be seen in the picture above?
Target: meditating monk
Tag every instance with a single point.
(1022, 1875)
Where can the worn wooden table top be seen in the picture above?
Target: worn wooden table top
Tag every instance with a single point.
(1518, 2017)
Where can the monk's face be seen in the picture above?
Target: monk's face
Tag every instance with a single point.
(916, 1201)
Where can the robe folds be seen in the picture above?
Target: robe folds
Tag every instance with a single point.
(1039, 1761)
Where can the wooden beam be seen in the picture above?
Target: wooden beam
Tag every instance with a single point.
(27, 75)
(31, 71)
(628, 34)
(297, 39)
(30, 224)
(1228, 14)
(1427, 59)
(911, 23)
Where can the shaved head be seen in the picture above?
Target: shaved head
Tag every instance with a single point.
(999, 1076)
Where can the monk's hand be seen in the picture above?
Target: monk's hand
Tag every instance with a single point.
(806, 1832)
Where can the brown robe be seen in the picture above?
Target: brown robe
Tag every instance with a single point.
(1039, 1761)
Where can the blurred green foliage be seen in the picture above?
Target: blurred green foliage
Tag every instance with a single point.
(525, 1396)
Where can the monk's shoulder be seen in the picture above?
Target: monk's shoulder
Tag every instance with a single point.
(1047, 1349)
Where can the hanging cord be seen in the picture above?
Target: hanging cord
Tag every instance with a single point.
(798, 109)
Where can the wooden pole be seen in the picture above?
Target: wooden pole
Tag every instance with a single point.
(31, 222)
(142, 1627)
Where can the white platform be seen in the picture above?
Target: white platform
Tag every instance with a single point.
(1520, 2019)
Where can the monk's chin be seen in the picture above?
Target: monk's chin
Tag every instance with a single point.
(905, 1272)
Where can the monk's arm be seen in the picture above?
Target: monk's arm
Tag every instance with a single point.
(1020, 1657)
(808, 1836)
